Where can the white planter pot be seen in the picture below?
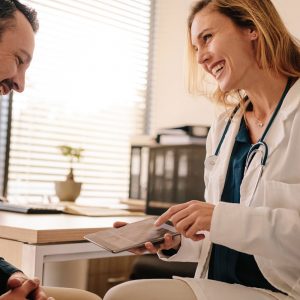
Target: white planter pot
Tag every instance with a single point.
(67, 190)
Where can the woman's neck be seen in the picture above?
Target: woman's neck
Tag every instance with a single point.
(265, 93)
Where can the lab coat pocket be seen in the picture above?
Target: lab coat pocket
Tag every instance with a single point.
(279, 194)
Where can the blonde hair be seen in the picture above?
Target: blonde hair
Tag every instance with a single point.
(277, 50)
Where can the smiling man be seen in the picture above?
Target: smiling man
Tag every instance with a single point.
(18, 25)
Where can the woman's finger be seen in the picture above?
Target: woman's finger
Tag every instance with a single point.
(119, 224)
(170, 212)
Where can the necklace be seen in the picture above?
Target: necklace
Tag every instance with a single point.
(258, 122)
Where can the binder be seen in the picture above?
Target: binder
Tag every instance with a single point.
(139, 161)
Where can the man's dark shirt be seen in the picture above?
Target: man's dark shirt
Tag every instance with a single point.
(6, 270)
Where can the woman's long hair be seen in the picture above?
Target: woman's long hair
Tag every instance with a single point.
(277, 50)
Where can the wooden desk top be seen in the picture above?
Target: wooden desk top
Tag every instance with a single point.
(43, 228)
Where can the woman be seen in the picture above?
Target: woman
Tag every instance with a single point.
(246, 237)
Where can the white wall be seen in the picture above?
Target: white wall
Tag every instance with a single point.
(171, 103)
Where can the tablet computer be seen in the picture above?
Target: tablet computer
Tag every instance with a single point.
(132, 235)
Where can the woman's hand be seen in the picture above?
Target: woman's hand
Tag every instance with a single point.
(169, 243)
(189, 218)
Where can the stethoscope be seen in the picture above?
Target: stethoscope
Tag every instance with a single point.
(259, 147)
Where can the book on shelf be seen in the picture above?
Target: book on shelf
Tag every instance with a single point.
(142, 140)
(190, 130)
(181, 140)
(195, 130)
(182, 134)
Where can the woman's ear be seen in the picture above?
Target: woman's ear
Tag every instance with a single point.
(253, 34)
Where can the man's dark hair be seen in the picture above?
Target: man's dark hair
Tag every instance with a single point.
(7, 14)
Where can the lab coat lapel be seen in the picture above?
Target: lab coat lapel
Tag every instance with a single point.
(273, 139)
(219, 171)
(278, 129)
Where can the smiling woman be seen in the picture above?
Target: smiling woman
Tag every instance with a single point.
(244, 241)
(271, 50)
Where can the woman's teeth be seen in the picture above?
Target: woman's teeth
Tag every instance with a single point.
(216, 70)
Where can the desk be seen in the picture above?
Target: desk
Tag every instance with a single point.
(30, 241)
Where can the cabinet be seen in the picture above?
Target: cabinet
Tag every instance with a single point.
(175, 175)
(105, 273)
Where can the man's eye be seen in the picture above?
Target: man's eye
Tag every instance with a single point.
(206, 37)
(19, 60)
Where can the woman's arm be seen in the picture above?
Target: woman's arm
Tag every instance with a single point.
(272, 233)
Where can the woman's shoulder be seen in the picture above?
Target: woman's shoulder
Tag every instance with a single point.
(222, 118)
(217, 129)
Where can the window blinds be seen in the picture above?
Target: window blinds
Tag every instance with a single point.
(86, 87)
(5, 107)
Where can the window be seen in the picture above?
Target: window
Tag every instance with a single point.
(5, 113)
(86, 87)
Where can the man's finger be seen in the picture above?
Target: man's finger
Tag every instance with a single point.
(27, 287)
(38, 294)
(14, 283)
(16, 280)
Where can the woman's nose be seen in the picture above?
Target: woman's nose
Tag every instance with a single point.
(202, 57)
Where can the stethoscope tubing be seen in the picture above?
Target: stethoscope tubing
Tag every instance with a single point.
(261, 145)
(261, 140)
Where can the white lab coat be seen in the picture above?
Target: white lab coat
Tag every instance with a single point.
(269, 226)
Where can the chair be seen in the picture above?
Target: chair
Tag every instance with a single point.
(59, 293)
(150, 266)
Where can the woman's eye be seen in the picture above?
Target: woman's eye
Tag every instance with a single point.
(206, 37)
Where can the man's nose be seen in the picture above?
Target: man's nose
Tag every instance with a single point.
(19, 82)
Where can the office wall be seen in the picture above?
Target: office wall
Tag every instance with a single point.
(171, 103)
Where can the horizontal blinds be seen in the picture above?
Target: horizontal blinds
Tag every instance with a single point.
(87, 88)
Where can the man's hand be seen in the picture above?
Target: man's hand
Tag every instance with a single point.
(168, 243)
(21, 287)
(189, 218)
(22, 291)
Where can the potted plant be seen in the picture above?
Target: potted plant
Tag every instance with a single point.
(69, 189)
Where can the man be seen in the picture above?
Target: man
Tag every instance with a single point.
(18, 24)
(17, 27)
